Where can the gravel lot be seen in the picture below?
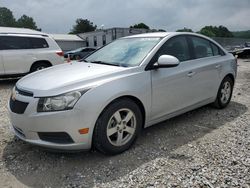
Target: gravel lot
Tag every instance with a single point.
(203, 148)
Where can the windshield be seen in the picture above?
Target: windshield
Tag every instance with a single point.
(125, 52)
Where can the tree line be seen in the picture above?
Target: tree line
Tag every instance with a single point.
(84, 25)
(211, 31)
(8, 20)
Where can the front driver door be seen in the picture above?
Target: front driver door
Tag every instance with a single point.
(172, 88)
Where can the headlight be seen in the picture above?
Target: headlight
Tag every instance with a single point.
(61, 102)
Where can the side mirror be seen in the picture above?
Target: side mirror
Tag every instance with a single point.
(165, 61)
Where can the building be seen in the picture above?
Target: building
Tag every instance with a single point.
(68, 42)
(101, 37)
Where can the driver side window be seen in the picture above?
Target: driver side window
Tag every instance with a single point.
(177, 47)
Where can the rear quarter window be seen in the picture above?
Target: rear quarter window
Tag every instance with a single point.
(39, 43)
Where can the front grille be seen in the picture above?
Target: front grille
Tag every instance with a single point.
(18, 107)
(56, 137)
(24, 93)
(19, 131)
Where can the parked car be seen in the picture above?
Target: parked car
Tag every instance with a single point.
(25, 50)
(242, 51)
(245, 53)
(79, 53)
(132, 83)
(247, 44)
(235, 51)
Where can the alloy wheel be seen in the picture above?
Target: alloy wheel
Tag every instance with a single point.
(225, 92)
(121, 127)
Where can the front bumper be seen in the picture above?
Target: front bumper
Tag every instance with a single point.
(28, 125)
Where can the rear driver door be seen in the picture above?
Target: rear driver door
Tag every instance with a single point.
(206, 67)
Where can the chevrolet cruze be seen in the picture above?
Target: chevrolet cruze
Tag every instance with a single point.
(132, 83)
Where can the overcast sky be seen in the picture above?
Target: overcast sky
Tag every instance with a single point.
(58, 16)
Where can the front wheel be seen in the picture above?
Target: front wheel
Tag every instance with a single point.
(117, 127)
(224, 93)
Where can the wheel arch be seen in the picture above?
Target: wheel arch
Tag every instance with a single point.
(217, 103)
(131, 98)
(140, 105)
(40, 61)
(135, 100)
(230, 75)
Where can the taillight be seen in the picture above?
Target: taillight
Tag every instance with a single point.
(60, 53)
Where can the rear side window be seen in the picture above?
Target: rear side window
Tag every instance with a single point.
(17, 43)
(177, 47)
(39, 43)
(14, 43)
(216, 50)
(202, 47)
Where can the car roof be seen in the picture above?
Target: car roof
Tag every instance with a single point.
(171, 34)
(165, 34)
(154, 34)
(25, 31)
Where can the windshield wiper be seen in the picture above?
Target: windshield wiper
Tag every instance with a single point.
(104, 63)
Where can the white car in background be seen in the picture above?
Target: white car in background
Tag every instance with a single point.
(131, 83)
(24, 50)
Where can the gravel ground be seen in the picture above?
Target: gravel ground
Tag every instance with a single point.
(203, 148)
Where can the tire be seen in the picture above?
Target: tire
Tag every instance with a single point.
(39, 66)
(117, 127)
(224, 93)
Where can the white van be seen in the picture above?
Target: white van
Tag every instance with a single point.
(25, 50)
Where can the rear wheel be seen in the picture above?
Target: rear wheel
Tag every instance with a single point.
(224, 93)
(39, 66)
(117, 127)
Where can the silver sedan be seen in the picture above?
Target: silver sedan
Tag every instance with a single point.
(132, 83)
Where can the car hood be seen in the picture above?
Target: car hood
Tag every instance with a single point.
(62, 78)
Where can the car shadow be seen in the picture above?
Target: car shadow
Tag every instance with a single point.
(35, 167)
(7, 83)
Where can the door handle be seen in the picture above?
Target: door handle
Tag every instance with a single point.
(190, 74)
(218, 66)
